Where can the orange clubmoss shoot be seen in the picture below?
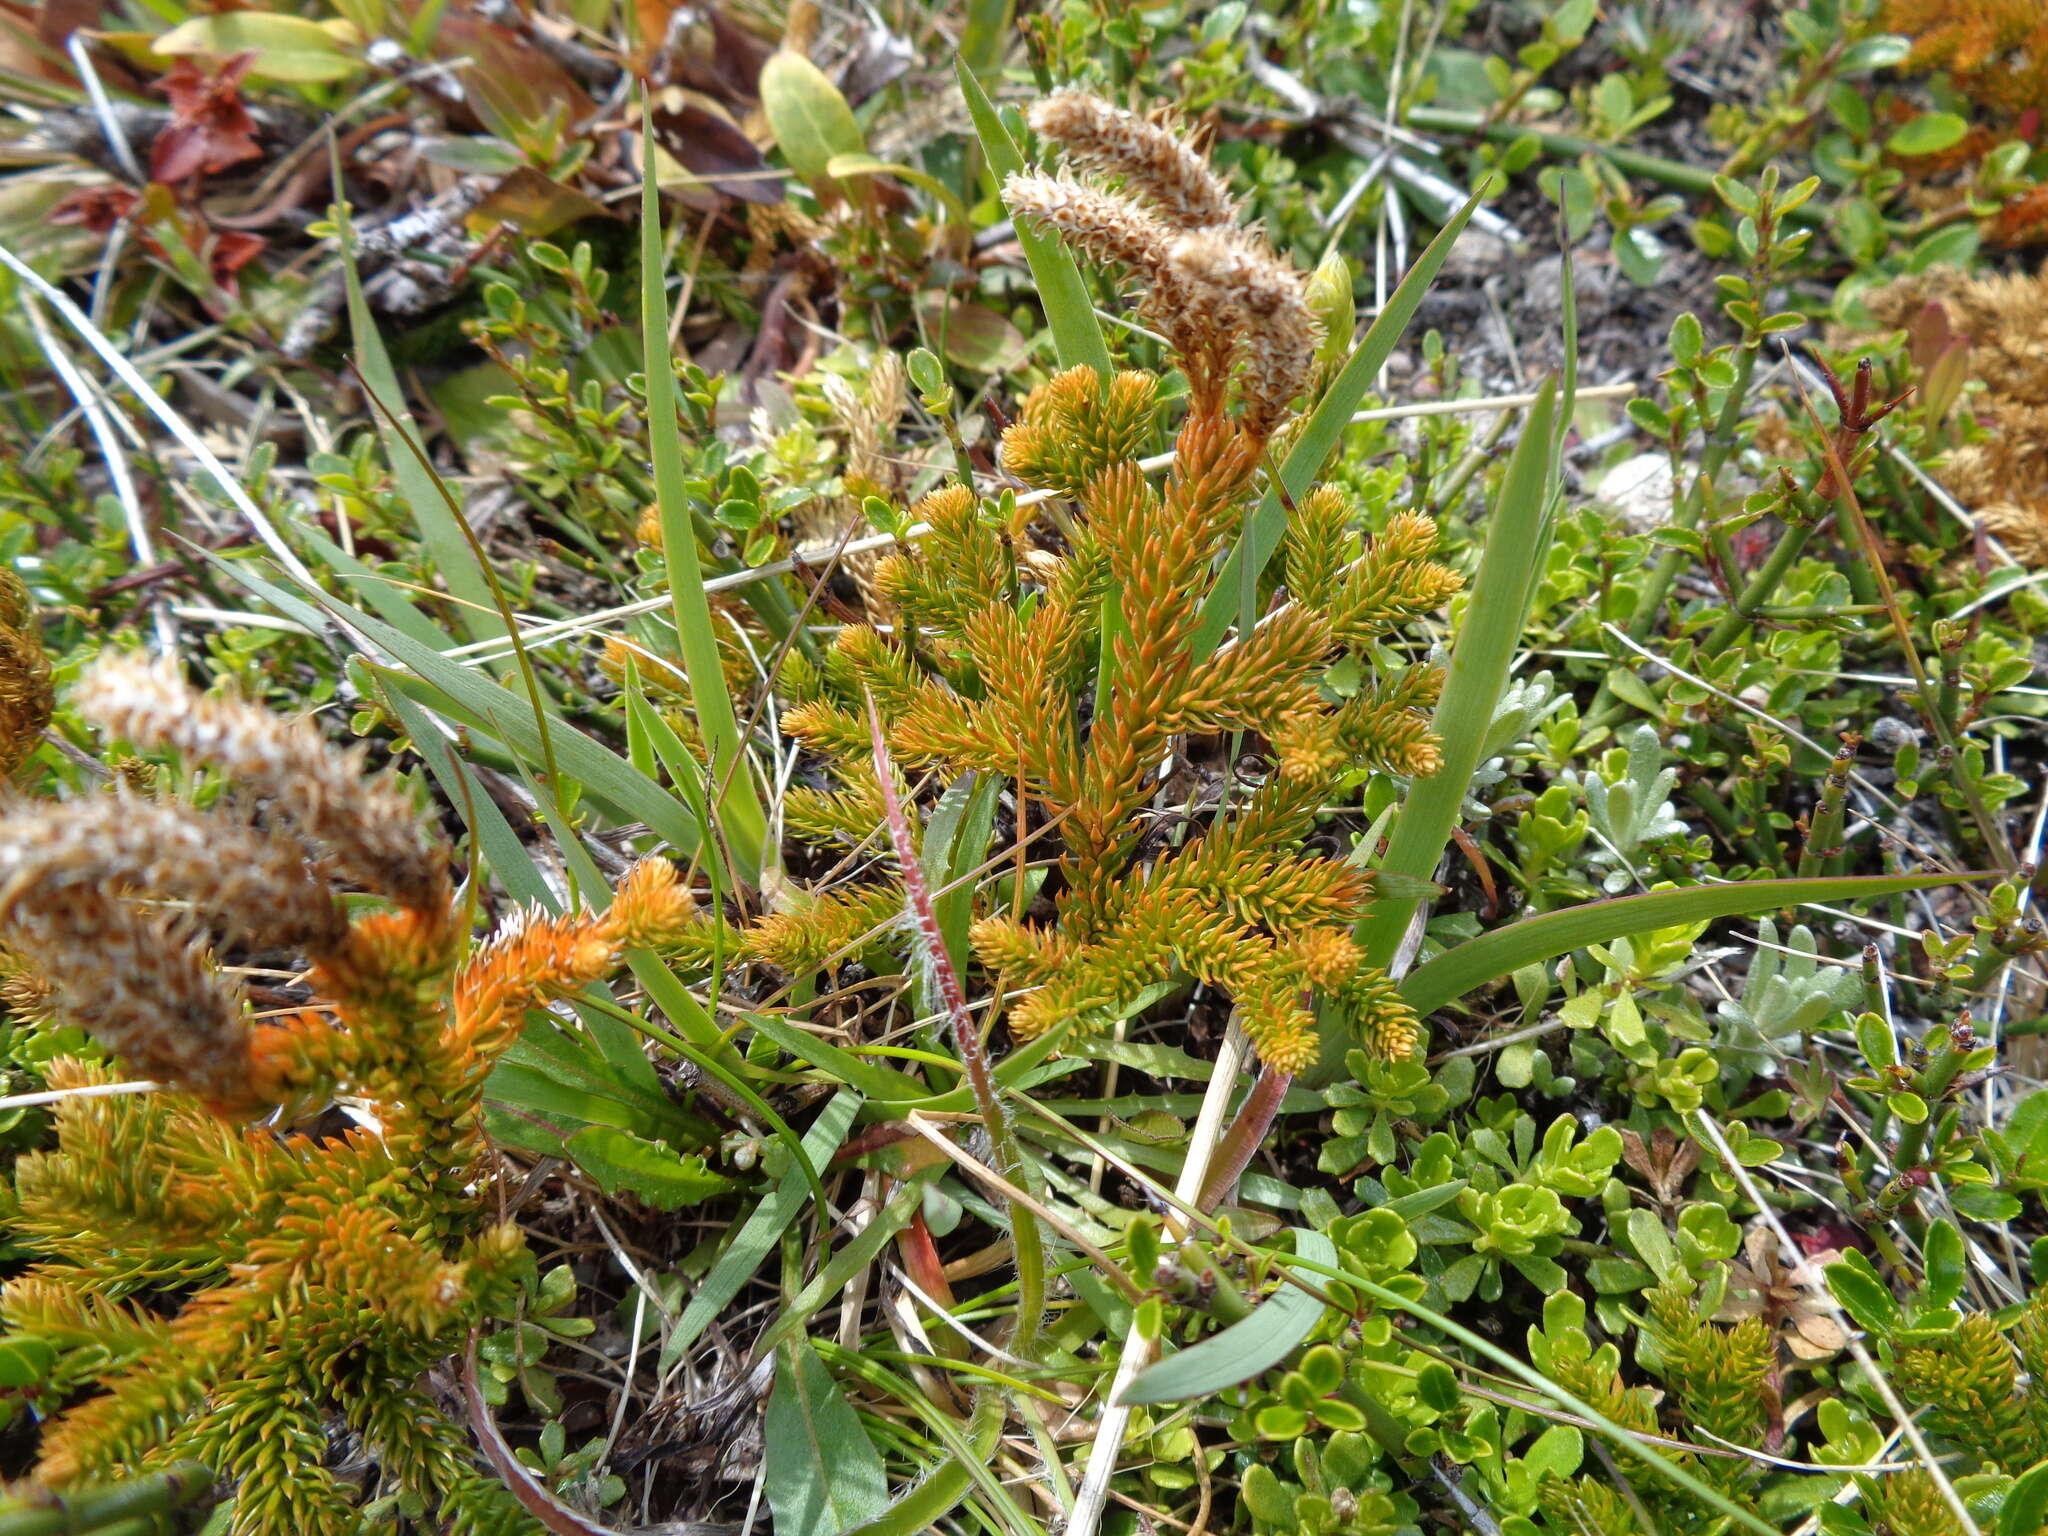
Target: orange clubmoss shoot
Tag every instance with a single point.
(229, 1288)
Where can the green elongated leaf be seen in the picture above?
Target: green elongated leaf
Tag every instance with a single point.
(1069, 311)
(737, 807)
(859, 1252)
(1322, 432)
(671, 752)
(809, 117)
(875, 1081)
(383, 594)
(1480, 657)
(932, 1498)
(986, 32)
(655, 1172)
(500, 847)
(1945, 1263)
(2025, 1510)
(1423, 1201)
(568, 1062)
(955, 841)
(289, 48)
(467, 699)
(823, 1473)
(1506, 950)
(441, 530)
(1863, 1294)
(763, 1229)
(1245, 1349)
(864, 164)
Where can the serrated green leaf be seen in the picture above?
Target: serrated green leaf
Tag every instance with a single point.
(652, 1171)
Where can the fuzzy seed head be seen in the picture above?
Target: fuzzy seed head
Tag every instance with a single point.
(366, 828)
(1157, 165)
(26, 697)
(251, 886)
(142, 985)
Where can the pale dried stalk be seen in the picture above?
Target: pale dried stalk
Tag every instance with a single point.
(1138, 1350)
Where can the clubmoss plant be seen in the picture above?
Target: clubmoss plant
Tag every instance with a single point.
(217, 1285)
(1070, 665)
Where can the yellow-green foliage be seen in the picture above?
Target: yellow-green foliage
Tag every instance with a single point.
(1970, 1380)
(1720, 1376)
(225, 1290)
(996, 660)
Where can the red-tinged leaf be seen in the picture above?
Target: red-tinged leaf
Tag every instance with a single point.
(229, 252)
(513, 86)
(99, 209)
(210, 128)
(708, 144)
(535, 1499)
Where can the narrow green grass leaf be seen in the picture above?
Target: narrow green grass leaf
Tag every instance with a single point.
(1480, 657)
(446, 541)
(878, 1083)
(859, 1252)
(763, 1229)
(738, 806)
(1493, 955)
(823, 1473)
(1247, 1348)
(467, 699)
(499, 846)
(383, 594)
(1069, 311)
(930, 1500)
(986, 32)
(1321, 434)
(673, 754)
(955, 842)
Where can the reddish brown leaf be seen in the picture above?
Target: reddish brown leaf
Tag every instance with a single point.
(99, 208)
(230, 251)
(533, 204)
(513, 85)
(707, 144)
(210, 128)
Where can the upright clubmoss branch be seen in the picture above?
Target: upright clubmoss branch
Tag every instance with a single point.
(236, 1291)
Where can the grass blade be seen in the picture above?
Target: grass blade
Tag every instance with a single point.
(1477, 961)
(737, 806)
(1247, 1348)
(1480, 658)
(1069, 311)
(440, 529)
(762, 1230)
